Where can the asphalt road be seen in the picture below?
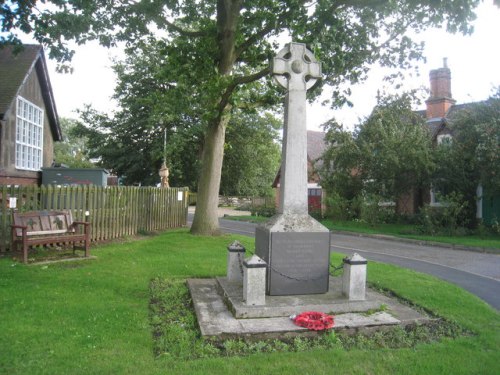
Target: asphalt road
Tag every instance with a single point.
(479, 273)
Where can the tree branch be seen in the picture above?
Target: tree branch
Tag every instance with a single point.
(239, 80)
(254, 38)
(184, 32)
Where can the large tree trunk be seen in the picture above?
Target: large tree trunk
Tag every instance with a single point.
(206, 220)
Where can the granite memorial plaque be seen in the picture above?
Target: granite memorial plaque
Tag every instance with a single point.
(299, 266)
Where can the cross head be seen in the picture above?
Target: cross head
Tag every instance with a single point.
(296, 68)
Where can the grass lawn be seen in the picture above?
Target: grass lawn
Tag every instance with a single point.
(92, 317)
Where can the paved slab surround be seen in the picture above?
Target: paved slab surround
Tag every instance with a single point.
(217, 322)
(284, 306)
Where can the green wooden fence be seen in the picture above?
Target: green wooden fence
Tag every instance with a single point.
(113, 211)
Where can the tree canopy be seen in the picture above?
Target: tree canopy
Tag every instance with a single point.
(388, 155)
(472, 157)
(131, 142)
(217, 52)
(72, 150)
(251, 155)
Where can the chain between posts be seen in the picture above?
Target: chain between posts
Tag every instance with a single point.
(240, 262)
(332, 269)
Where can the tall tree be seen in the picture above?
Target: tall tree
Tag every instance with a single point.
(72, 150)
(132, 146)
(131, 141)
(395, 150)
(388, 155)
(217, 47)
(251, 155)
(472, 157)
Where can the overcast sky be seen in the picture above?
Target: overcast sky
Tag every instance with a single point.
(474, 62)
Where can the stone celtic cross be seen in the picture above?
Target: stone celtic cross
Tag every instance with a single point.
(295, 68)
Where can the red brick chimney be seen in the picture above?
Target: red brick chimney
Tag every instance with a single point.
(440, 99)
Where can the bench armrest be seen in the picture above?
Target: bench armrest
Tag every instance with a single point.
(86, 223)
(14, 231)
(86, 227)
(18, 226)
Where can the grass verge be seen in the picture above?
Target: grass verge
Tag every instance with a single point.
(488, 242)
(94, 317)
(248, 219)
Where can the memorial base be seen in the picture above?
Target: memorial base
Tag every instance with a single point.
(297, 251)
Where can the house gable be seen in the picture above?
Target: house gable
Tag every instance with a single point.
(15, 69)
(24, 79)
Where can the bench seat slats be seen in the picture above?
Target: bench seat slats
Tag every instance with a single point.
(47, 232)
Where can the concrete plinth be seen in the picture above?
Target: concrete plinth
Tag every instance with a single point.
(217, 321)
(296, 248)
(276, 306)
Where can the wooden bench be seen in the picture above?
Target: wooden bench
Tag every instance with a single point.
(48, 227)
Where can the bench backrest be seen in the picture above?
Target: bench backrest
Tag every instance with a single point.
(44, 222)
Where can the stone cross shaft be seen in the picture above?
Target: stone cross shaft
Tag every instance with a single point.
(295, 68)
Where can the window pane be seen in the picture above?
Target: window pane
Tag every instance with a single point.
(29, 135)
(23, 157)
(38, 159)
(30, 158)
(24, 132)
(18, 130)
(18, 155)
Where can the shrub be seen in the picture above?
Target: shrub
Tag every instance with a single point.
(263, 211)
(340, 208)
(449, 217)
(375, 211)
(495, 226)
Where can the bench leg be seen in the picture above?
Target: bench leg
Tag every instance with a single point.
(86, 242)
(25, 251)
(87, 248)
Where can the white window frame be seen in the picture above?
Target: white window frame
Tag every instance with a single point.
(444, 138)
(434, 202)
(29, 135)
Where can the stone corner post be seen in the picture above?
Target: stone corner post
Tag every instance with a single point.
(254, 281)
(354, 277)
(235, 257)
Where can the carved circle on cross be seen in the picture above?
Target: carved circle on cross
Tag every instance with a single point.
(296, 68)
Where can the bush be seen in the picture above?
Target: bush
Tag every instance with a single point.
(375, 211)
(340, 208)
(495, 226)
(263, 211)
(448, 218)
(317, 214)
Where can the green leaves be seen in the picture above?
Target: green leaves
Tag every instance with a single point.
(72, 150)
(251, 155)
(472, 158)
(388, 155)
